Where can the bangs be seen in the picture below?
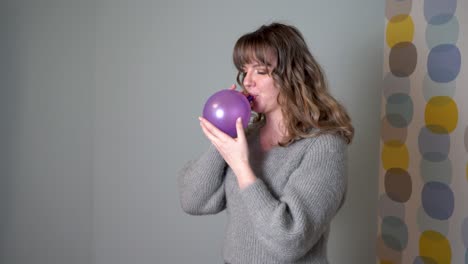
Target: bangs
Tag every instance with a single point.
(252, 48)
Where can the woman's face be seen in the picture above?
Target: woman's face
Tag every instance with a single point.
(259, 83)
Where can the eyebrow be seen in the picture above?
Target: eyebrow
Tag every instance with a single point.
(257, 65)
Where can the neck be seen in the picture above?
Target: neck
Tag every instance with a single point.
(273, 131)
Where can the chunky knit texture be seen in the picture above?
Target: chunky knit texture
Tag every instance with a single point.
(284, 216)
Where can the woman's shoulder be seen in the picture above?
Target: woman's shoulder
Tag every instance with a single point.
(326, 141)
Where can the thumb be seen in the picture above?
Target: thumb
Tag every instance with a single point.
(240, 129)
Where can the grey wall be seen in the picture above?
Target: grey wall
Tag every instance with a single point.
(47, 106)
(99, 103)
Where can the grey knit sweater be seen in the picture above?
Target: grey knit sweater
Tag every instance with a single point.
(284, 216)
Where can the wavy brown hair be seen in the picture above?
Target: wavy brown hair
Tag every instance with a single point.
(305, 100)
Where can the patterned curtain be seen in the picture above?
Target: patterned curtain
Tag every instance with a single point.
(423, 178)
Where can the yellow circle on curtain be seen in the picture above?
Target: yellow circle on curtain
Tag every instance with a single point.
(441, 115)
(395, 155)
(400, 28)
(435, 246)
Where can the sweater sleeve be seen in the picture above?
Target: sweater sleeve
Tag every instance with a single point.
(289, 226)
(201, 184)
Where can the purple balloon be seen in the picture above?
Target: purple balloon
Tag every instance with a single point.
(224, 107)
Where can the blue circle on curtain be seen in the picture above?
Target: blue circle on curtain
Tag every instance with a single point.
(442, 34)
(439, 12)
(394, 233)
(443, 63)
(440, 171)
(433, 147)
(438, 200)
(433, 89)
(399, 110)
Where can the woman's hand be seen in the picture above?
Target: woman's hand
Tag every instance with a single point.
(234, 150)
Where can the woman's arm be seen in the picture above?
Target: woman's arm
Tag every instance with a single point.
(201, 184)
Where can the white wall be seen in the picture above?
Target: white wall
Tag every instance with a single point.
(102, 110)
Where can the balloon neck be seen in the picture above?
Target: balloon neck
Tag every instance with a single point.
(250, 98)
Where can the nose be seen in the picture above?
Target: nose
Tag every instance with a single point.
(248, 80)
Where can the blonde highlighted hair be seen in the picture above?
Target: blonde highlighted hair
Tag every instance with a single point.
(305, 100)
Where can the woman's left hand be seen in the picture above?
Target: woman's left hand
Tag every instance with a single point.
(234, 150)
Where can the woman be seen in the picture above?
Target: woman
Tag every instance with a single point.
(283, 181)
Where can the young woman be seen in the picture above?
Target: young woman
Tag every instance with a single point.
(283, 181)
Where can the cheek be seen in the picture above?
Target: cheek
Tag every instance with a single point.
(274, 93)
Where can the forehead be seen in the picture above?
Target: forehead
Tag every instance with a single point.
(253, 60)
(251, 51)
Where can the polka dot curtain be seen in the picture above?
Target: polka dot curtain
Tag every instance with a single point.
(423, 179)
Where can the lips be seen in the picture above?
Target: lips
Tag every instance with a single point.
(253, 96)
(250, 97)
